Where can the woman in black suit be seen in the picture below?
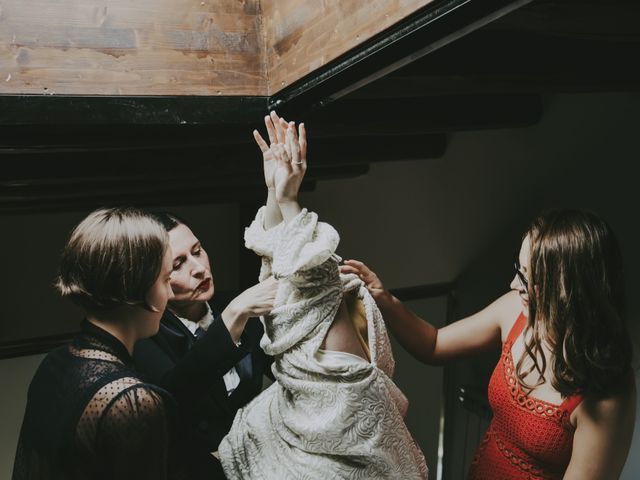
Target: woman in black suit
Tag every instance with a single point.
(211, 362)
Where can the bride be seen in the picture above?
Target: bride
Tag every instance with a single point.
(334, 411)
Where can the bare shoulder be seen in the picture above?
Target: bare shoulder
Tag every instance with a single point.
(616, 408)
(505, 311)
(604, 429)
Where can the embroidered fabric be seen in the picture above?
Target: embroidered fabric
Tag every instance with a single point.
(89, 417)
(338, 418)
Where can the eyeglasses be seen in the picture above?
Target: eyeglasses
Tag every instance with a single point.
(521, 276)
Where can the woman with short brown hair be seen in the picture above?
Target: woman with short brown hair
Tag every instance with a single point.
(88, 416)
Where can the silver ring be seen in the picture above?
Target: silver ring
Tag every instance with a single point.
(297, 163)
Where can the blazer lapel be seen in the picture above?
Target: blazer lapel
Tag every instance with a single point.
(176, 334)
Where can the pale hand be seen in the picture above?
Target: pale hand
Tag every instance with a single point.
(291, 164)
(255, 301)
(276, 128)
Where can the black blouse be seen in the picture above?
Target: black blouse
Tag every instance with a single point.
(88, 416)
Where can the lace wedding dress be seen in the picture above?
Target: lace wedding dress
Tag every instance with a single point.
(329, 415)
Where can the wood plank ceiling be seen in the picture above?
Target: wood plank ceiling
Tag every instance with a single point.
(124, 133)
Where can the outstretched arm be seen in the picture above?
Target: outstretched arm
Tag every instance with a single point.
(425, 342)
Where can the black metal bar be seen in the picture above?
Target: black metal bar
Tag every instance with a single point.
(424, 31)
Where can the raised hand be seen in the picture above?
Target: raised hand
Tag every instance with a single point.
(291, 164)
(276, 128)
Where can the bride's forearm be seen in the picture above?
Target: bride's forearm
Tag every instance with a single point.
(289, 209)
(272, 215)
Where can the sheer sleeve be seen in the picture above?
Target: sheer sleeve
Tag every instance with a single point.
(132, 435)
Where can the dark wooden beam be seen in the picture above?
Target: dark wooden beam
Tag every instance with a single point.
(123, 110)
(68, 180)
(611, 21)
(362, 115)
(82, 162)
(494, 61)
(352, 116)
(68, 194)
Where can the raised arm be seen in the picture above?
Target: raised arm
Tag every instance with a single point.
(279, 138)
(275, 132)
(428, 344)
(291, 158)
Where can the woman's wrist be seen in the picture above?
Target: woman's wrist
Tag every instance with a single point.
(289, 208)
(385, 300)
(235, 319)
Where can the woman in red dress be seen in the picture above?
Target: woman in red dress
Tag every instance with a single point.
(563, 393)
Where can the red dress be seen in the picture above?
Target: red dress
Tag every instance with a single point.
(527, 438)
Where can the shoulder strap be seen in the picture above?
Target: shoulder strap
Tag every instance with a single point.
(518, 327)
(570, 403)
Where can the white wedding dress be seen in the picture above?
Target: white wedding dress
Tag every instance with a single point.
(329, 415)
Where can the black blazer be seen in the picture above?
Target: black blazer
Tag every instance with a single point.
(192, 372)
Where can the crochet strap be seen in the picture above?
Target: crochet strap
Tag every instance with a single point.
(517, 328)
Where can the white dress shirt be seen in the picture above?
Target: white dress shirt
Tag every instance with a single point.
(231, 378)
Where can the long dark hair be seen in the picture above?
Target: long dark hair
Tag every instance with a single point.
(576, 304)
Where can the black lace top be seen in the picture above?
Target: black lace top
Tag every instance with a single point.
(88, 416)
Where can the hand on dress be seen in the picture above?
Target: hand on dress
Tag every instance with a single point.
(253, 302)
(370, 279)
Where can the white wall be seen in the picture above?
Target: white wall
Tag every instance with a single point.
(422, 385)
(16, 374)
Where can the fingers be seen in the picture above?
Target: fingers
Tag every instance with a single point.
(360, 269)
(280, 131)
(260, 141)
(345, 269)
(271, 131)
(294, 148)
(302, 141)
(359, 266)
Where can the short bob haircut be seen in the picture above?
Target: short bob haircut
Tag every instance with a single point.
(112, 258)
